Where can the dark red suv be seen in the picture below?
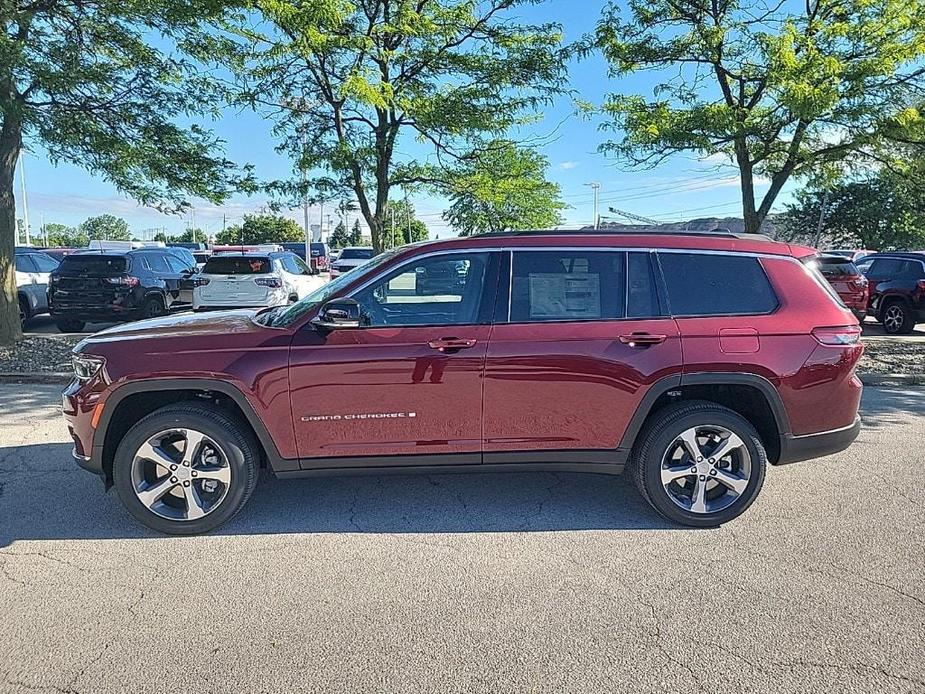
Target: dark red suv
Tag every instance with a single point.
(691, 360)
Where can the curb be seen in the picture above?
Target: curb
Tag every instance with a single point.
(34, 377)
(63, 378)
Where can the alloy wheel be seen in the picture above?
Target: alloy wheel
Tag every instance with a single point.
(181, 474)
(705, 469)
(893, 319)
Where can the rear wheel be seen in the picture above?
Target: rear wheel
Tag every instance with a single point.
(699, 464)
(25, 312)
(70, 325)
(186, 468)
(154, 307)
(897, 319)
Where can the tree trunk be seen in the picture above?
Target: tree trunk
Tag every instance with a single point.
(10, 145)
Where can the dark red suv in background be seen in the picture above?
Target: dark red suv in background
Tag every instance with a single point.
(848, 282)
(691, 360)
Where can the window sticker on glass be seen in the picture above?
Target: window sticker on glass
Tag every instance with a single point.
(555, 295)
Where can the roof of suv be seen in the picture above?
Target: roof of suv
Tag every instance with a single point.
(908, 255)
(693, 240)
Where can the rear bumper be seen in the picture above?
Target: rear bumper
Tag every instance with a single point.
(794, 449)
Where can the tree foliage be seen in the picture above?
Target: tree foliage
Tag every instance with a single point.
(98, 84)
(351, 79)
(339, 237)
(63, 236)
(402, 226)
(105, 227)
(503, 188)
(192, 235)
(781, 89)
(261, 228)
(884, 212)
(356, 235)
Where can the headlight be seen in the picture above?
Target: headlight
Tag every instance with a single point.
(86, 366)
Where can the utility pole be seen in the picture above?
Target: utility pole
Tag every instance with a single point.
(25, 202)
(305, 226)
(407, 219)
(596, 187)
(321, 219)
(825, 203)
(44, 229)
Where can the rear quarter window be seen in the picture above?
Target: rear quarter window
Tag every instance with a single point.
(705, 284)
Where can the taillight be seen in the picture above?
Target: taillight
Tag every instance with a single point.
(123, 280)
(272, 282)
(859, 282)
(839, 335)
(921, 285)
(201, 282)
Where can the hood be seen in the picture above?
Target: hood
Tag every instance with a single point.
(227, 323)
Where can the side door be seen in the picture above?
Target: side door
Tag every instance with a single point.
(580, 338)
(407, 385)
(27, 279)
(882, 275)
(162, 266)
(184, 271)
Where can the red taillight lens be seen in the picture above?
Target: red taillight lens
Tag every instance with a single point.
(124, 281)
(921, 285)
(272, 282)
(839, 335)
(860, 281)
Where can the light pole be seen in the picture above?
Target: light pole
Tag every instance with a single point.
(596, 187)
(25, 202)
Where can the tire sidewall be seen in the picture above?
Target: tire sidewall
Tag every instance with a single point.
(905, 322)
(657, 446)
(233, 446)
(156, 301)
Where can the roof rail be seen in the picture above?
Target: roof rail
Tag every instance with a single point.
(720, 233)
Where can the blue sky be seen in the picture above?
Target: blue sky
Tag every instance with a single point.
(682, 188)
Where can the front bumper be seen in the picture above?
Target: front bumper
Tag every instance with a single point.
(794, 449)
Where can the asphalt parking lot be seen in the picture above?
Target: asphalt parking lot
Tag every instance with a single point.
(521, 582)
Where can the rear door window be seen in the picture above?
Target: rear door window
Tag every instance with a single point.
(707, 284)
(568, 285)
(24, 264)
(44, 262)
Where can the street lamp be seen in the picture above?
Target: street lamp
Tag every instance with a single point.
(596, 188)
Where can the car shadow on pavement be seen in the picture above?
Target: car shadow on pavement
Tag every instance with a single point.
(889, 409)
(44, 496)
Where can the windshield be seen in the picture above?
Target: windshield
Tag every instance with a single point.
(282, 316)
(356, 253)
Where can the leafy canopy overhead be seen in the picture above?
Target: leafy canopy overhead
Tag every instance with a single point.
(90, 83)
(503, 188)
(781, 88)
(105, 227)
(346, 81)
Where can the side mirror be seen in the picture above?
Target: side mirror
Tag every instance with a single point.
(338, 314)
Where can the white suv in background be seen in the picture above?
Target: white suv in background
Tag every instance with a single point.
(349, 258)
(251, 280)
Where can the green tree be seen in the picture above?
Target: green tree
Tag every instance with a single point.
(884, 212)
(503, 188)
(63, 236)
(402, 226)
(161, 236)
(339, 237)
(192, 235)
(97, 84)
(782, 90)
(106, 227)
(368, 73)
(261, 228)
(356, 235)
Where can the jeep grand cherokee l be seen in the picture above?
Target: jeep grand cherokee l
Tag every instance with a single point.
(690, 360)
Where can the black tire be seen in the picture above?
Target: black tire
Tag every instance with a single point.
(897, 318)
(25, 312)
(70, 325)
(653, 444)
(226, 430)
(154, 307)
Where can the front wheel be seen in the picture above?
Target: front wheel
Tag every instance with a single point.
(699, 464)
(186, 469)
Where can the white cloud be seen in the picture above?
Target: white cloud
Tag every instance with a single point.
(567, 165)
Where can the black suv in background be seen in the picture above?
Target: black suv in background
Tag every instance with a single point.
(105, 286)
(897, 289)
